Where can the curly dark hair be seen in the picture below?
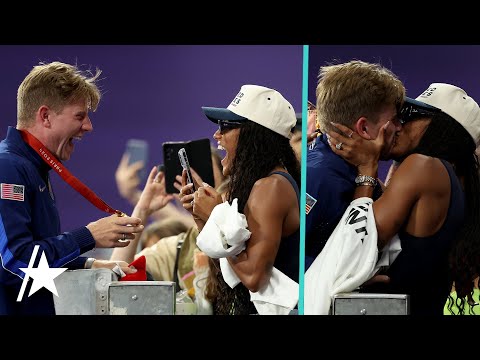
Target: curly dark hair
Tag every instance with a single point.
(234, 301)
(259, 151)
(447, 139)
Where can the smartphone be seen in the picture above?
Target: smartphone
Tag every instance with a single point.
(138, 151)
(182, 155)
(199, 159)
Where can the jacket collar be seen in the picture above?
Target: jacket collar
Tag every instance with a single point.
(17, 145)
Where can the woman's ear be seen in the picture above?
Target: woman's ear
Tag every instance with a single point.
(362, 128)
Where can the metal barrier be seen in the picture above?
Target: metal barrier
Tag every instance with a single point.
(370, 304)
(97, 292)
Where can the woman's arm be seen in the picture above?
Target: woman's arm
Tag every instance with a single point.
(418, 194)
(419, 182)
(265, 212)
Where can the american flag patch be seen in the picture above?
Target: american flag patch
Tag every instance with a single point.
(13, 192)
(310, 202)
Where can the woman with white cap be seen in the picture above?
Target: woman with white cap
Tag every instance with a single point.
(432, 200)
(264, 172)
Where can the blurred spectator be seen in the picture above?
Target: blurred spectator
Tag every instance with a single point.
(159, 230)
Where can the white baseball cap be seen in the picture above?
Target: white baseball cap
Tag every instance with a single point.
(455, 102)
(262, 105)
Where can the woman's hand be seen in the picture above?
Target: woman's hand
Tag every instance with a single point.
(205, 199)
(360, 152)
(186, 190)
(209, 198)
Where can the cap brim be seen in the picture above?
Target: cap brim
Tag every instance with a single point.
(215, 114)
(419, 104)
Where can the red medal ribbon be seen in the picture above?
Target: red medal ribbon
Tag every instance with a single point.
(66, 175)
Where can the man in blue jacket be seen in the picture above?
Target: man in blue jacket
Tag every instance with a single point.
(362, 96)
(53, 105)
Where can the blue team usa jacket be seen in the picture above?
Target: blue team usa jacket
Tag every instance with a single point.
(29, 217)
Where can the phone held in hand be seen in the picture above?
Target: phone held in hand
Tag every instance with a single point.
(138, 151)
(199, 159)
(182, 155)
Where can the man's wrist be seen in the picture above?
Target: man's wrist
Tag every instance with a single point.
(89, 263)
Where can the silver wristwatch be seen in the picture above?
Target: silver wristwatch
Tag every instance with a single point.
(365, 180)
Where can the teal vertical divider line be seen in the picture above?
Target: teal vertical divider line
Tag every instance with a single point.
(303, 182)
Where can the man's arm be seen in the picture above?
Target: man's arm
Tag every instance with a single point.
(18, 235)
(328, 195)
(29, 221)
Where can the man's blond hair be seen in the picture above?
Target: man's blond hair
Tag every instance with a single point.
(55, 85)
(348, 91)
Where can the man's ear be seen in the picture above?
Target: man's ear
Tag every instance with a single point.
(362, 128)
(43, 116)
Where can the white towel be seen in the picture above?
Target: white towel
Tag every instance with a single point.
(227, 226)
(389, 253)
(225, 232)
(347, 260)
(278, 297)
(228, 274)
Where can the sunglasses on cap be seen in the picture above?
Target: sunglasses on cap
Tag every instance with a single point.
(226, 125)
(411, 112)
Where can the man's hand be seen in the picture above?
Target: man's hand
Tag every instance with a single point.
(115, 231)
(107, 264)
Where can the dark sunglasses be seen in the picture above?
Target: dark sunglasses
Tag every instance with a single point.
(411, 112)
(226, 125)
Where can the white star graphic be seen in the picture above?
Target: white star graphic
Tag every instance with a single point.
(43, 276)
